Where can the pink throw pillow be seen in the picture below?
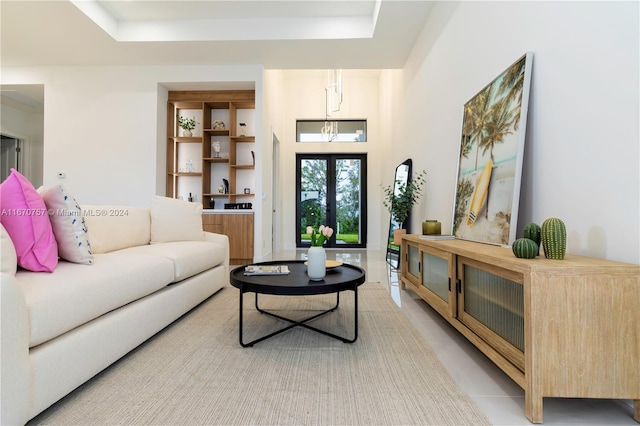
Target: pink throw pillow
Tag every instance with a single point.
(24, 215)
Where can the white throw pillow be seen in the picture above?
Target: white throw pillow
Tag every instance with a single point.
(175, 220)
(7, 253)
(69, 226)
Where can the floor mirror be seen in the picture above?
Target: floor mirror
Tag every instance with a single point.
(401, 178)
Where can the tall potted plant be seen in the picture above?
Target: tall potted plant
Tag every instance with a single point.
(400, 198)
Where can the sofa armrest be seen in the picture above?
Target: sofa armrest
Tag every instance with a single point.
(224, 241)
(15, 374)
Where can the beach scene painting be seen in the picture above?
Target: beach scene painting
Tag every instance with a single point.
(490, 161)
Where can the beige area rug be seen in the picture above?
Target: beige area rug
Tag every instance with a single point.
(195, 372)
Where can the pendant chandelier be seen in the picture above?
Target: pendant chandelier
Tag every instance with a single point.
(333, 100)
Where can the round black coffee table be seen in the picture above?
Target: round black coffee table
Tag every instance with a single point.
(297, 283)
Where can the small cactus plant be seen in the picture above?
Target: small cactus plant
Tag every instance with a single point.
(525, 248)
(532, 232)
(554, 238)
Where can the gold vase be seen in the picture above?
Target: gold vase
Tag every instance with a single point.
(431, 227)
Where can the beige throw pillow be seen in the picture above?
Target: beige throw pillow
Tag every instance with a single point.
(175, 220)
(114, 227)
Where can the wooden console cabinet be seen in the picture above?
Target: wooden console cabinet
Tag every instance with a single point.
(236, 225)
(559, 328)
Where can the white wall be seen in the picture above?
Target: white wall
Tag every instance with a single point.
(272, 86)
(105, 126)
(303, 97)
(582, 149)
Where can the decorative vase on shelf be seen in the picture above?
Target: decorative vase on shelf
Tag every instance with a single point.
(187, 133)
(316, 263)
(431, 227)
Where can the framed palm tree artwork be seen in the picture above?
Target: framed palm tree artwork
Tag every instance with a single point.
(490, 160)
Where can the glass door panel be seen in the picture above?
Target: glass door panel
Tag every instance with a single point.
(435, 275)
(312, 195)
(492, 305)
(414, 261)
(348, 201)
(496, 302)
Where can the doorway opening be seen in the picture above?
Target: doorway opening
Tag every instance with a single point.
(331, 191)
(11, 157)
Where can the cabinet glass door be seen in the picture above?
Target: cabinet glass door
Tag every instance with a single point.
(435, 275)
(437, 268)
(413, 264)
(492, 304)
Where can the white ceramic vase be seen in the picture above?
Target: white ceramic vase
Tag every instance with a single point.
(186, 133)
(317, 263)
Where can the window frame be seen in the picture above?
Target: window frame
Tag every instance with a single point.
(320, 124)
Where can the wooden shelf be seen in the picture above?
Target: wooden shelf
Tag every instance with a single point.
(218, 195)
(241, 139)
(217, 132)
(183, 174)
(242, 166)
(184, 139)
(216, 160)
(188, 105)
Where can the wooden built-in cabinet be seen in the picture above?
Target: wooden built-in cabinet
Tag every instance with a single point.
(559, 328)
(239, 228)
(236, 161)
(195, 171)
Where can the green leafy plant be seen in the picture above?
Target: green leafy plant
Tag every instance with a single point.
(186, 123)
(401, 197)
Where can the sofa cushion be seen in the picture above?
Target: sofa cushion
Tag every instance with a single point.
(7, 253)
(75, 294)
(69, 227)
(189, 257)
(25, 217)
(116, 227)
(175, 220)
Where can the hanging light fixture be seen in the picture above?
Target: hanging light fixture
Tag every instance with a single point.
(333, 100)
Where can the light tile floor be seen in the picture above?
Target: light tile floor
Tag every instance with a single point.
(501, 399)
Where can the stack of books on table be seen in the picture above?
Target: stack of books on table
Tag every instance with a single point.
(266, 270)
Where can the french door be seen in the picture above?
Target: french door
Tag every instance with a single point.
(331, 190)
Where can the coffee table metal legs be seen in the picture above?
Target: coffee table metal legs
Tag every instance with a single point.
(302, 322)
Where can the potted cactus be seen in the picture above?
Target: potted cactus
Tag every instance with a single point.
(553, 234)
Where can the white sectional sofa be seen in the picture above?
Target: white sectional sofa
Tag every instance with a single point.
(61, 328)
